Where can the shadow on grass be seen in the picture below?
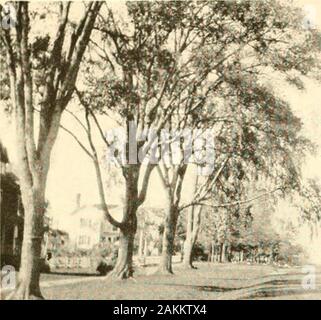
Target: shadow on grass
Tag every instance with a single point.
(273, 292)
(267, 289)
(272, 283)
(219, 289)
(74, 274)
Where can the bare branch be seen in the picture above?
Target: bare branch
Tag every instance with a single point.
(99, 177)
(236, 203)
(142, 194)
(27, 86)
(206, 188)
(78, 141)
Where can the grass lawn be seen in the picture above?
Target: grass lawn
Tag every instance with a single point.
(66, 274)
(209, 281)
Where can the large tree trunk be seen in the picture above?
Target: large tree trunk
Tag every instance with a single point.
(165, 265)
(193, 225)
(29, 273)
(33, 158)
(124, 265)
(188, 253)
(188, 244)
(190, 232)
(34, 208)
(217, 253)
(223, 253)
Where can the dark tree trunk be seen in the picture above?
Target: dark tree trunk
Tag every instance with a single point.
(165, 265)
(223, 253)
(193, 225)
(124, 265)
(213, 252)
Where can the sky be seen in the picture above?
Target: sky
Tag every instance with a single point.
(72, 172)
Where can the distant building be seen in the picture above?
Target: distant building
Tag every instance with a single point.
(88, 227)
(11, 214)
(55, 242)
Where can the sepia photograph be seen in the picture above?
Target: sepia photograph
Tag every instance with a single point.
(160, 150)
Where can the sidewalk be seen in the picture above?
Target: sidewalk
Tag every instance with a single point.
(57, 282)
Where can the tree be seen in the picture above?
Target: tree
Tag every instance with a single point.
(159, 74)
(192, 230)
(308, 201)
(144, 83)
(248, 111)
(42, 70)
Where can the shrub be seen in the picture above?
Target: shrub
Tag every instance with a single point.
(103, 268)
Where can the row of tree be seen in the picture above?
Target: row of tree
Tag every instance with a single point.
(167, 65)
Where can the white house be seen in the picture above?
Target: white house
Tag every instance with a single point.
(87, 226)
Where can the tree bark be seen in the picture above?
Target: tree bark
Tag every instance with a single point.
(29, 274)
(188, 245)
(227, 253)
(165, 265)
(124, 265)
(188, 256)
(241, 255)
(213, 251)
(193, 225)
(223, 253)
(32, 185)
(33, 159)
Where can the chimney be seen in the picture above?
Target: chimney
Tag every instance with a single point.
(78, 200)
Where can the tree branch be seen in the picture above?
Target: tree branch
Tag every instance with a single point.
(142, 194)
(78, 141)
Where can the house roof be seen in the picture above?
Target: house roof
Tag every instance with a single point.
(60, 232)
(95, 206)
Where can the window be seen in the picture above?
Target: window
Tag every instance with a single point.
(82, 222)
(85, 223)
(83, 240)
